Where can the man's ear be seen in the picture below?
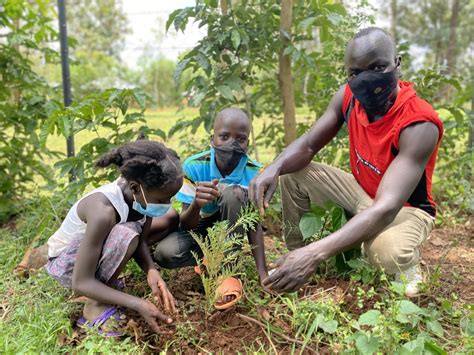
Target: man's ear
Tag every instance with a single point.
(398, 62)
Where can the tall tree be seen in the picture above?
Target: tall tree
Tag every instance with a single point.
(452, 44)
(284, 76)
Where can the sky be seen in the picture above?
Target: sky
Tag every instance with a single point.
(147, 19)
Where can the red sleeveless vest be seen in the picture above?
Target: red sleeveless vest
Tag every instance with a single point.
(373, 146)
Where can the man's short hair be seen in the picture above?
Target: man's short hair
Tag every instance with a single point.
(368, 30)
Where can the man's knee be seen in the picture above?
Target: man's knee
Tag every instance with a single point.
(289, 180)
(391, 258)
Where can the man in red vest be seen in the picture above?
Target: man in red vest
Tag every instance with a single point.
(394, 138)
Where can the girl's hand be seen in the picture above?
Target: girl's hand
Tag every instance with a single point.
(150, 313)
(160, 291)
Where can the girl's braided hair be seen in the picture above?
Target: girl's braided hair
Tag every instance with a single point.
(150, 163)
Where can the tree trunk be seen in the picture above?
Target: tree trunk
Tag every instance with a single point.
(284, 76)
(451, 55)
(394, 20)
(224, 7)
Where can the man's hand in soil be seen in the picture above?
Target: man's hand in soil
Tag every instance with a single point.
(151, 314)
(206, 192)
(262, 188)
(292, 270)
(160, 291)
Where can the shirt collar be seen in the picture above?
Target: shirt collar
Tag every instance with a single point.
(235, 176)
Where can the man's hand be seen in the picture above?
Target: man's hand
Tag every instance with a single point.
(206, 192)
(160, 291)
(262, 188)
(292, 270)
(150, 313)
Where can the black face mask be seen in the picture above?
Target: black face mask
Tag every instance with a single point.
(373, 89)
(229, 154)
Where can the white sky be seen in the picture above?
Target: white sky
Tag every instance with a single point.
(147, 19)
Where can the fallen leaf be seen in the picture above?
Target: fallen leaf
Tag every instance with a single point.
(264, 313)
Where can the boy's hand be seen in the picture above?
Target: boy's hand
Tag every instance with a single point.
(160, 291)
(206, 192)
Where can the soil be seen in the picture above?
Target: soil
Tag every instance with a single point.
(447, 255)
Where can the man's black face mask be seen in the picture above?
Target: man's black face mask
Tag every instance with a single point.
(229, 154)
(373, 89)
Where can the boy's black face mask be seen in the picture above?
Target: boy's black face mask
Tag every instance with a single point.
(229, 154)
(373, 89)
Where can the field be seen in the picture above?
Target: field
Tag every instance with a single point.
(357, 311)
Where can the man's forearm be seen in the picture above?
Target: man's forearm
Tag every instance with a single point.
(189, 219)
(363, 226)
(258, 250)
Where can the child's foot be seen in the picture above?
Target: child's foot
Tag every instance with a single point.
(108, 319)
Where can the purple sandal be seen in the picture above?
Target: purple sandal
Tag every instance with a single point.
(104, 317)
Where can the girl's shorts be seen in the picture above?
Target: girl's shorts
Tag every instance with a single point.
(113, 253)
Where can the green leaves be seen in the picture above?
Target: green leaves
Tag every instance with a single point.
(235, 36)
(371, 317)
(225, 91)
(367, 344)
(331, 217)
(310, 224)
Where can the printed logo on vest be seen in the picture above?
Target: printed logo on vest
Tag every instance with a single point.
(366, 163)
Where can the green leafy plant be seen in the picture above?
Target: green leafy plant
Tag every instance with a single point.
(114, 121)
(26, 100)
(221, 251)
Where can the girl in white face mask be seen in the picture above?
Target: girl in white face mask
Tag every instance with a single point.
(108, 226)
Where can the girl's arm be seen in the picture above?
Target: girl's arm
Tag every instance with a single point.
(143, 258)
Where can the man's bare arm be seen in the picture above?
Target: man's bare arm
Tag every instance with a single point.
(299, 153)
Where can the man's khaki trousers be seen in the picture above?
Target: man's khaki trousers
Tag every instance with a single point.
(395, 249)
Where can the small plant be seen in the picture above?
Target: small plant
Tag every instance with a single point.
(221, 251)
(321, 221)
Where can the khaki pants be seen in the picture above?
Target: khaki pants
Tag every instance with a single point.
(395, 249)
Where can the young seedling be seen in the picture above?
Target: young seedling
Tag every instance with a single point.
(221, 249)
